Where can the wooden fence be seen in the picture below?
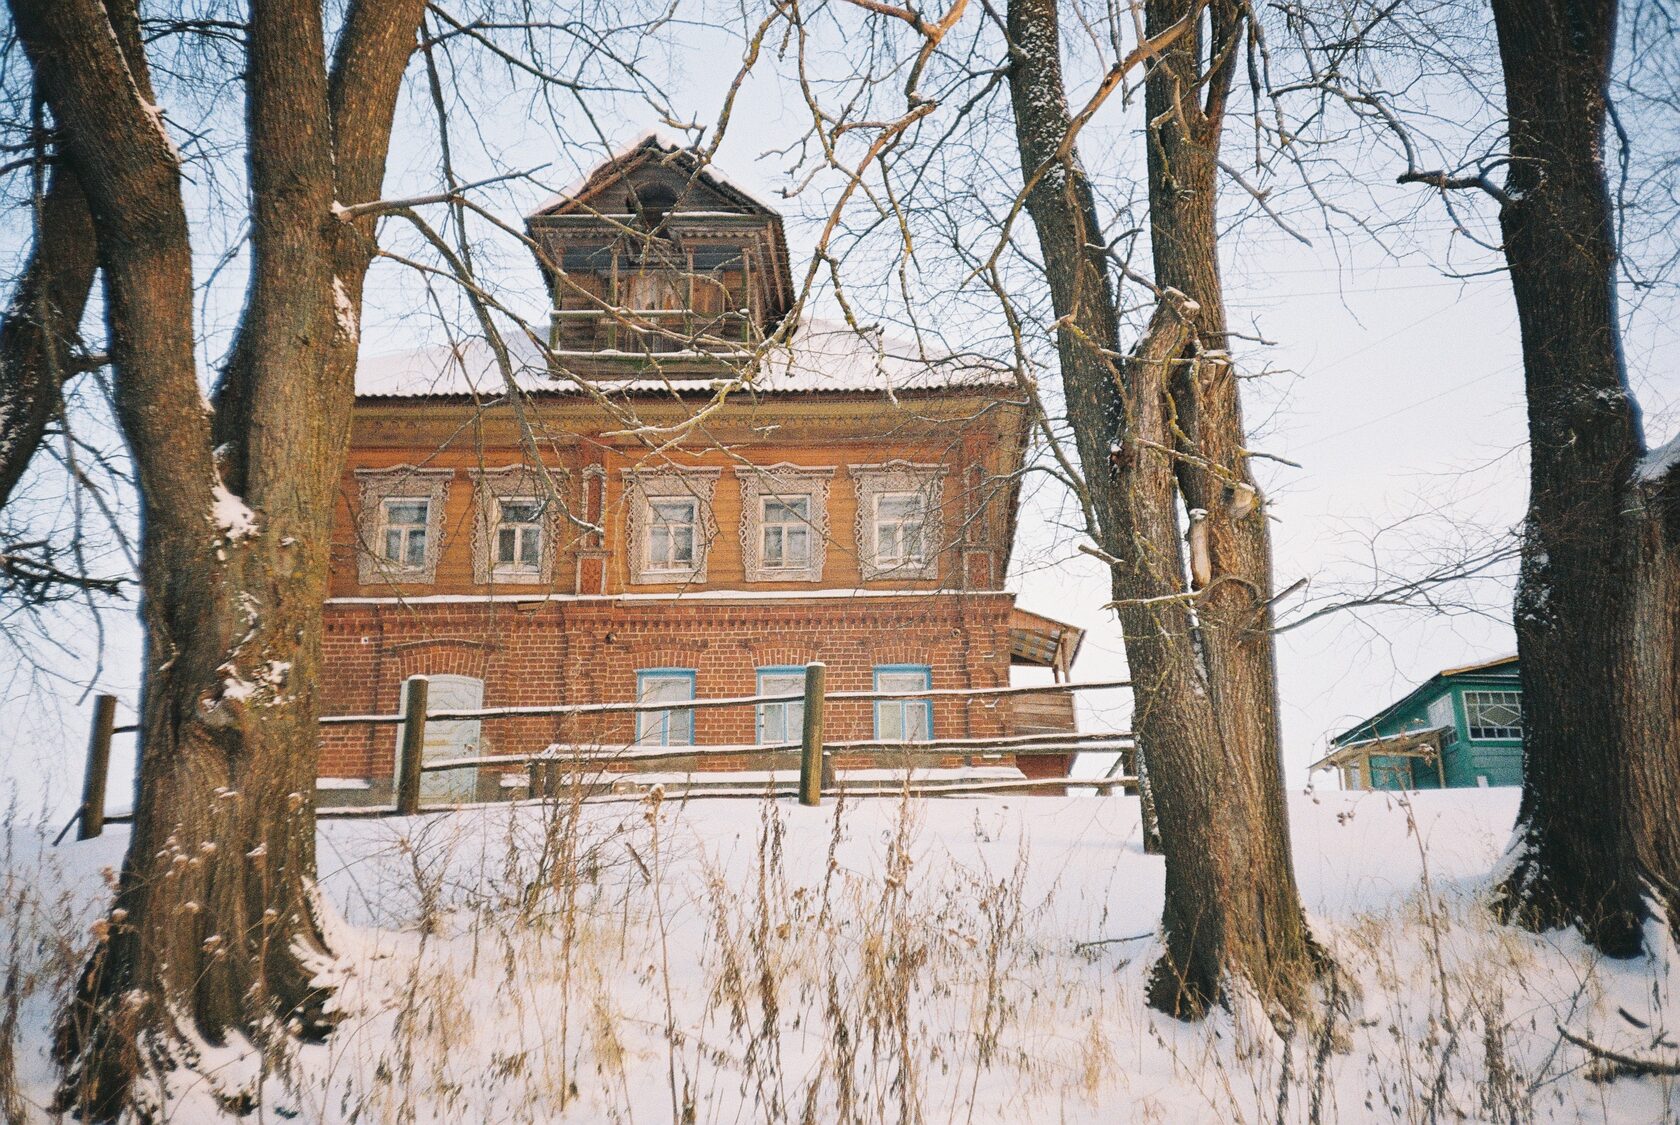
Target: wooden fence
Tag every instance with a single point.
(816, 775)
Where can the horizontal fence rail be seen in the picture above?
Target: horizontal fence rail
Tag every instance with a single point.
(1106, 744)
(559, 764)
(540, 711)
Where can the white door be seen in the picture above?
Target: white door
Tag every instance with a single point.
(456, 738)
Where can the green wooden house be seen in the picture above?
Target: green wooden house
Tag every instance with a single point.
(1461, 728)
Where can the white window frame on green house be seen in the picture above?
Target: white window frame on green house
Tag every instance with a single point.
(669, 727)
(896, 720)
(1480, 731)
(778, 723)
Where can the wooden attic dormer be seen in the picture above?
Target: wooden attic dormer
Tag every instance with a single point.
(658, 266)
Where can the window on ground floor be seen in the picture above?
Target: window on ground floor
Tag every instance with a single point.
(665, 728)
(903, 720)
(781, 722)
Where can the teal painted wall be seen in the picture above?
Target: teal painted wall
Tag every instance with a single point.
(1465, 761)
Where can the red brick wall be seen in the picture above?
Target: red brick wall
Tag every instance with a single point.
(588, 651)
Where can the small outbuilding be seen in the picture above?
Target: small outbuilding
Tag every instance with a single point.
(1461, 728)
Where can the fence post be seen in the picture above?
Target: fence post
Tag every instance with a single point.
(413, 743)
(811, 742)
(98, 768)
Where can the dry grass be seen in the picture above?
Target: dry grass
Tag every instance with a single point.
(581, 962)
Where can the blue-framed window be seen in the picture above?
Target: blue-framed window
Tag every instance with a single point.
(665, 728)
(781, 722)
(903, 720)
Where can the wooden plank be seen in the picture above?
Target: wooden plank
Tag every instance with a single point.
(413, 748)
(98, 768)
(811, 747)
(607, 755)
(731, 701)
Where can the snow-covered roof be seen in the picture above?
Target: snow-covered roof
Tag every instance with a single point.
(1661, 460)
(823, 356)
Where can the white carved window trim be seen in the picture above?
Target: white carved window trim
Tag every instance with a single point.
(399, 482)
(787, 482)
(641, 487)
(1478, 705)
(513, 482)
(873, 481)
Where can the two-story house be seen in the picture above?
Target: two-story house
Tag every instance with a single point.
(666, 507)
(1462, 727)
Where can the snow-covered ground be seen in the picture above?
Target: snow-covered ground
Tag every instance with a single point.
(931, 960)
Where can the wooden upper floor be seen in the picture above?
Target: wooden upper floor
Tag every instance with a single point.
(678, 430)
(810, 491)
(655, 256)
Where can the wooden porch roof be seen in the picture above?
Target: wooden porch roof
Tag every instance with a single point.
(1042, 641)
(1424, 744)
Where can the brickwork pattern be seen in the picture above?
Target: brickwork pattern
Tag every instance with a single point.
(588, 651)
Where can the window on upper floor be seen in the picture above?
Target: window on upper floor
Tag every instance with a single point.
(781, 722)
(670, 523)
(519, 537)
(1493, 715)
(401, 526)
(784, 522)
(517, 508)
(898, 519)
(899, 529)
(785, 532)
(674, 727)
(903, 720)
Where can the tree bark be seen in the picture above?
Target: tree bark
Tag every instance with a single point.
(1232, 910)
(1599, 591)
(42, 322)
(214, 922)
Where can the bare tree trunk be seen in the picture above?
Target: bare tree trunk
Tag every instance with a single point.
(1186, 94)
(41, 323)
(1232, 909)
(1599, 593)
(214, 922)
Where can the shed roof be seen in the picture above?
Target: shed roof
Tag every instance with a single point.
(822, 356)
(1035, 639)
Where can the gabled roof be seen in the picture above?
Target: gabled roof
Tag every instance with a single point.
(592, 194)
(1428, 687)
